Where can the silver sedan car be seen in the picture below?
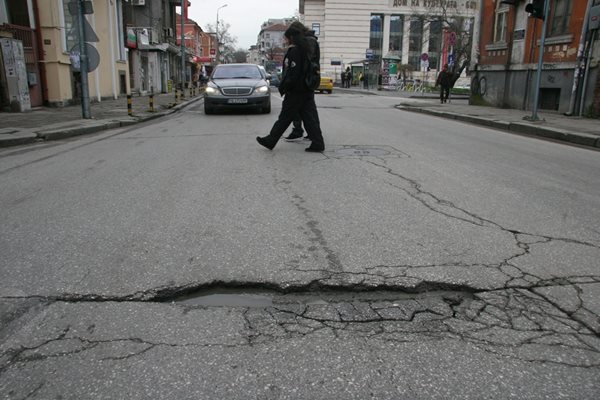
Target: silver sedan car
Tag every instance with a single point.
(237, 87)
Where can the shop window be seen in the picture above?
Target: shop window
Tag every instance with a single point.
(396, 34)
(435, 43)
(415, 42)
(376, 35)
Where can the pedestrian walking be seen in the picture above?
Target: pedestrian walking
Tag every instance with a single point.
(297, 131)
(298, 99)
(444, 80)
(343, 74)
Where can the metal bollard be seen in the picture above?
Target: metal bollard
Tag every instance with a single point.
(129, 105)
(176, 95)
(151, 100)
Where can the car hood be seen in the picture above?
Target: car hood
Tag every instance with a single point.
(223, 83)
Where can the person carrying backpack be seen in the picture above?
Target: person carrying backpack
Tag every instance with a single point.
(297, 87)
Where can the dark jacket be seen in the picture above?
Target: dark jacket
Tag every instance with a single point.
(294, 70)
(444, 79)
(292, 76)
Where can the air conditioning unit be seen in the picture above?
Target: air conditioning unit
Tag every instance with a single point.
(138, 2)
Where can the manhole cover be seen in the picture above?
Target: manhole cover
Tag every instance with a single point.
(362, 151)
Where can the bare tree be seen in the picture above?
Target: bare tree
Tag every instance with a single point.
(459, 29)
(240, 56)
(227, 42)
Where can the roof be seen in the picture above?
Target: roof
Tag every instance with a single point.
(276, 28)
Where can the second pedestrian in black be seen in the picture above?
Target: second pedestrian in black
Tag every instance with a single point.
(298, 98)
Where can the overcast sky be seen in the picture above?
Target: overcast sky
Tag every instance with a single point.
(244, 16)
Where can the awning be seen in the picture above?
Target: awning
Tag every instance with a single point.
(154, 47)
(360, 62)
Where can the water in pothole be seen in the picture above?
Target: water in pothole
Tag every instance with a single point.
(255, 298)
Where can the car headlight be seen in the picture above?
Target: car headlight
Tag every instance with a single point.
(262, 89)
(211, 90)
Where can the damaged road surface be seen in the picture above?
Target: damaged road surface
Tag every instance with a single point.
(179, 260)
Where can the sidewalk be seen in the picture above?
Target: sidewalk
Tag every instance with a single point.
(551, 125)
(45, 123)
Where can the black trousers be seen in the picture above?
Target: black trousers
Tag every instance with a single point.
(303, 104)
(297, 122)
(444, 93)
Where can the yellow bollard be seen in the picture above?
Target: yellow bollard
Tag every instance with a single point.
(129, 105)
(151, 100)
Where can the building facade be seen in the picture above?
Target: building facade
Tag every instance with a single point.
(153, 55)
(270, 43)
(49, 34)
(371, 35)
(509, 53)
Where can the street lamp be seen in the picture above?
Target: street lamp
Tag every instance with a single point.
(217, 30)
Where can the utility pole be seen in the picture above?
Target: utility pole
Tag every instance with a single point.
(538, 79)
(580, 60)
(83, 63)
(182, 36)
(217, 31)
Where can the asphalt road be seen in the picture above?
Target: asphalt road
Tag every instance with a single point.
(415, 258)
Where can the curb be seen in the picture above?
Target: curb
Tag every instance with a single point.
(581, 139)
(17, 138)
(33, 136)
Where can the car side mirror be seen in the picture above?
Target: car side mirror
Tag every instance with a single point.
(268, 77)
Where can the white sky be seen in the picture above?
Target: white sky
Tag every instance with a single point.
(244, 16)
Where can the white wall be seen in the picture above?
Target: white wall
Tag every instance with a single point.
(345, 26)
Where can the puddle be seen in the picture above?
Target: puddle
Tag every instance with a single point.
(256, 298)
(227, 300)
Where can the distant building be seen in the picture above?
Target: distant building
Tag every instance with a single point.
(271, 44)
(509, 53)
(253, 55)
(154, 57)
(50, 41)
(375, 35)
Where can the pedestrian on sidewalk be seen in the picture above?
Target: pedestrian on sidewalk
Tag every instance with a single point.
(444, 80)
(348, 77)
(298, 99)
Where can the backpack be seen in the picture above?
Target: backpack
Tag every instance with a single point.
(312, 68)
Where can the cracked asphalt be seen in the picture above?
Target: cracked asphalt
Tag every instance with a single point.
(413, 259)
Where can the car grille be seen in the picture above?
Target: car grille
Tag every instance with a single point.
(237, 91)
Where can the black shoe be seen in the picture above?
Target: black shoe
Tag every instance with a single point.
(315, 149)
(264, 141)
(294, 136)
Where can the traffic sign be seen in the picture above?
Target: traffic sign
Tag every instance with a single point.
(452, 38)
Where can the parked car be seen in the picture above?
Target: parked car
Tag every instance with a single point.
(326, 84)
(235, 87)
(271, 77)
(274, 79)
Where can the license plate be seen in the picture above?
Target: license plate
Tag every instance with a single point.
(237, 101)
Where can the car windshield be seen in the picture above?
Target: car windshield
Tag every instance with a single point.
(237, 72)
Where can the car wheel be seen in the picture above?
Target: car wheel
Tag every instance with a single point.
(208, 110)
(329, 91)
(267, 109)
